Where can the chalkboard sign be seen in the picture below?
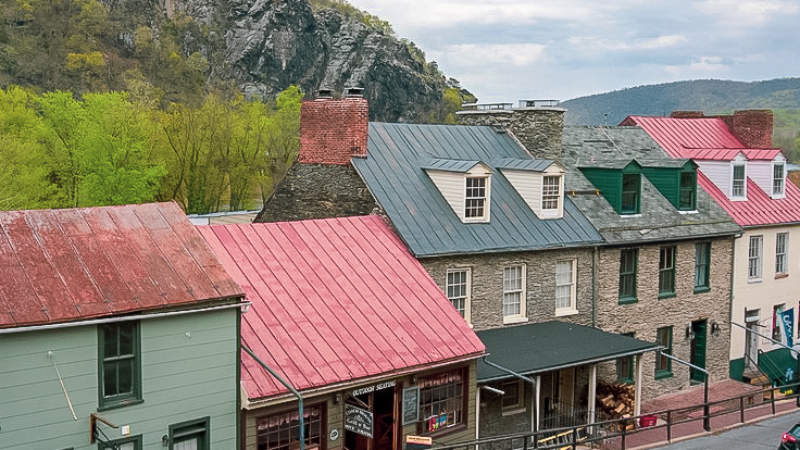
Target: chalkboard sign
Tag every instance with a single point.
(358, 420)
(410, 405)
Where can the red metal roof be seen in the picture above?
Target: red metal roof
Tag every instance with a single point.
(759, 208)
(335, 300)
(70, 264)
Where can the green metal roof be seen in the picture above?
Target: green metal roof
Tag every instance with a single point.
(530, 165)
(449, 165)
(546, 346)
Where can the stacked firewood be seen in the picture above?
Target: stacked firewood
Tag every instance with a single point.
(615, 400)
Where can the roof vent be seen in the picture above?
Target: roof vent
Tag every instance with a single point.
(354, 92)
(324, 93)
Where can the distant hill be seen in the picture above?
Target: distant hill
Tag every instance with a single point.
(712, 96)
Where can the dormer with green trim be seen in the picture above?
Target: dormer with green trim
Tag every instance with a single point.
(675, 179)
(620, 182)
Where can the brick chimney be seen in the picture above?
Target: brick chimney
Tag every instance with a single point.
(538, 128)
(753, 127)
(687, 114)
(333, 130)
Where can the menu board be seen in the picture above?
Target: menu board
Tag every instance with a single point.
(410, 405)
(358, 420)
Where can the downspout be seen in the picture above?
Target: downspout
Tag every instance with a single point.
(730, 304)
(299, 396)
(595, 258)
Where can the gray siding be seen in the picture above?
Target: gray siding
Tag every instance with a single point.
(183, 378)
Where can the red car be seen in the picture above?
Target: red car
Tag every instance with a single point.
(791, 439)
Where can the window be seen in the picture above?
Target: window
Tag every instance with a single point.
(627, 275)
(130, 443)
(664, 364)
(778, 177)
(630, 193)
(441, 403)
(120, 362)
(776, 321)
(192, 435)
(666, 272)
(565, 287)
(688, 192)
(513, 397)
(625, 367)
(702, 266)
(458, 286)
(514, 291)
(551, 191)
(754, 258)
(781, 247)
(282, 431)
(475, 200)
(738, 186)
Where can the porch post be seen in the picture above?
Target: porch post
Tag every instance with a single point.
(477, 416)
(537, 402)
(637, 401)
(592, 393)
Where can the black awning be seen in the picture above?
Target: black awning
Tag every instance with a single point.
(541, 347)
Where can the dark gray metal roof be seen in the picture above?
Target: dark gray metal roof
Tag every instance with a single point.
(607, 164)
(541, 347)
(531, 165)
(663, 163)
(659, 219)
(425, 221)
(449, 165)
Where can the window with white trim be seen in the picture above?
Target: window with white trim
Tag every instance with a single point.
(738, 183)
(781, 250)
(778, 177)
(565, 287)
(458, 287)
(754, 258)
(551, 191)
(475, 198)
(514, 291)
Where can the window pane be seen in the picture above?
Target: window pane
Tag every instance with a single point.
(125, 368)
(126, 332)
(110, 379)
(110, 341)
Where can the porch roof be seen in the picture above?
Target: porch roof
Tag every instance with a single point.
(541, 347)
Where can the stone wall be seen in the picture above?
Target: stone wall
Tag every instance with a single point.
(650, 312)
(316, 191)
(487, 283)
(538, 129)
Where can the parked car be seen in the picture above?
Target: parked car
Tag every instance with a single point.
(791, 439)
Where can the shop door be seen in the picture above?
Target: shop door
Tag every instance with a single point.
(384, 419)
(355, 441)
(698, 352)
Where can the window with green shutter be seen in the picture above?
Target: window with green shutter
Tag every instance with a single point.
(666, 272)
(631, 184)
(664, 364)
(119, 364)
(627, 275)
(702, 267)
(687, 197)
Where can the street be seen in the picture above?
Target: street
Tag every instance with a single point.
(762, 435)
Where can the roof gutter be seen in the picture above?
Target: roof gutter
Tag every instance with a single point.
(244, 306)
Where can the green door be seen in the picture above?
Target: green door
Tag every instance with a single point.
(698, 354)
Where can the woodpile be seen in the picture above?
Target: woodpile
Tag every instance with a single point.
(615, 400)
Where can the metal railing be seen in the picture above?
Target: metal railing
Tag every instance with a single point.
(615, 432)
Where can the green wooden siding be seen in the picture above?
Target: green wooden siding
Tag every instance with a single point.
(668, 181)
(183, 378)
(609, 182)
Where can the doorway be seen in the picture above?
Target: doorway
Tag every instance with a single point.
(382, 404)
(751, 319)
(698, 351)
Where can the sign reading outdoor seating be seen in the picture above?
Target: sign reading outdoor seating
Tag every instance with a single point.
(358, 420)
(373, 388)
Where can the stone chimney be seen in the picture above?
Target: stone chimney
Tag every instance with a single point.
(538, 127)
(333, 130)
(753, 127)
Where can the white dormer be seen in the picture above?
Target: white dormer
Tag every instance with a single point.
(769, 175)
(738, 183)
(465, 185)
(541, 186)
(778, 177)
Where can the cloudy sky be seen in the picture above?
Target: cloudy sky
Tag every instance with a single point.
(504, 50)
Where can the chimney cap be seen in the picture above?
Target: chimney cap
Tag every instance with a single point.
(354, 92)
(325, 93)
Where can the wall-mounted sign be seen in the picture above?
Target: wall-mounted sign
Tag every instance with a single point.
(373, 388)
(334, 434)
(410, 405)
(358, 420)
(418, 442)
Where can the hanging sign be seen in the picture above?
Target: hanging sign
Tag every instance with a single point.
(410, 405)
(358, 420)
(787, 320)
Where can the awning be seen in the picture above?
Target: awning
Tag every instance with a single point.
(542, 347)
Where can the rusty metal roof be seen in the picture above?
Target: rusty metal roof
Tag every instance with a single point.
(336, 300)
(71, 264)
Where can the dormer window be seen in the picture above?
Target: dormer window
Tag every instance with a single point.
(738, 183)
(475, 198)
(778, 179)
(551, 191)
(631, 188)
(688, 192)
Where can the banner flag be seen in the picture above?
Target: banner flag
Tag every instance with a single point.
(787, 320)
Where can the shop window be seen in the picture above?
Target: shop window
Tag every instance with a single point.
(282, 431)
(442, 400)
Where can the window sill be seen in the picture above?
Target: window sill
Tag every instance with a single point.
(780, 276)
(513, 412)
(754, 280)
(510, 320)
(566, 312)
(628, 300)
(662, 375)
(625, 215)
(120, 404)
(446, 431)
(687, 211)
(662, 296)
(701, 289)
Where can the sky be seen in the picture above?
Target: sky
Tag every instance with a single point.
(506, 50)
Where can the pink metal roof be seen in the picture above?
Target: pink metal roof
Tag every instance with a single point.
(335, 300)
(759, 208)
(70, 264)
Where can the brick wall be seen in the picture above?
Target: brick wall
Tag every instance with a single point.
(650, 312)
(752, 127)
(333, 131)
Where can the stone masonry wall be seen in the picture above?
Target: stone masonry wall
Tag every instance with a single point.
(538, 129)
(487, 283)
(650, 312)
(316, 191)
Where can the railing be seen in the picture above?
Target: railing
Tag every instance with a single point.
(616, 432)
(564, 415)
